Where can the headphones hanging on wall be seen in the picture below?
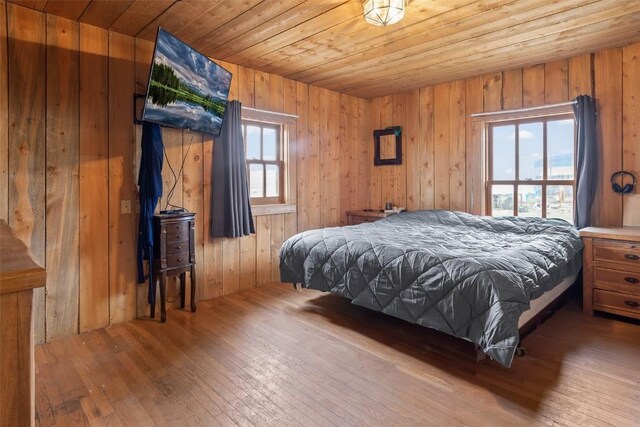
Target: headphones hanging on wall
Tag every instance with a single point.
(624, 188)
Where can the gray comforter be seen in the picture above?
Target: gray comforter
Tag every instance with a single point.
(465, 275)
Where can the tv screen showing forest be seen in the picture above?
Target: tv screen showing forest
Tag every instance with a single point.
(186, 89)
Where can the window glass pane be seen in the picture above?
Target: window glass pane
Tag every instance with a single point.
(530, 200)
(256, 180)
(530, 151)
(560, 202)
(273, 180)
(270, 144)
(560, 146)
(502, 200)
(253, 142)
(504, 152)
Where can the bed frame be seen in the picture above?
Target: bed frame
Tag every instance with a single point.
(542, 308)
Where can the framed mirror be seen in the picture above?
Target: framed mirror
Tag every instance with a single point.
(388, 146)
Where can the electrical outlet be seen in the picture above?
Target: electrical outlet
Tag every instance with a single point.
(125, 207)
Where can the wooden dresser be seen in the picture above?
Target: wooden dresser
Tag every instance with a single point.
(612, 270)
(19, 275)
(174, 255)
(359, 217)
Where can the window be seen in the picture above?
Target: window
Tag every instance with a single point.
(265, 164)
(531, 167)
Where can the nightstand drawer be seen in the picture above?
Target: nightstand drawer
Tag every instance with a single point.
(365, 216)
(177, 247)
(355, 220)
(616, 302)
(616, 280)
(615, 251)
(178, 260)
(177, 232)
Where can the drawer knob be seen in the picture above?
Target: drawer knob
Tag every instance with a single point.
(632, 257)
(180, 247)
(631, 280)
(633, 304)
(179, 259)
(177, 237)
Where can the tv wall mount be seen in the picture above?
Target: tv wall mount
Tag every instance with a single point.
(137, 107)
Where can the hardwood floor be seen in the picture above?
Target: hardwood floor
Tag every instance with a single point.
(275, 356)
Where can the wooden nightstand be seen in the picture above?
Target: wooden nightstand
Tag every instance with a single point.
(359, 217)
(174, 255)
(612, 270)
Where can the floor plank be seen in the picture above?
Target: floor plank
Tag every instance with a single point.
(275, 356)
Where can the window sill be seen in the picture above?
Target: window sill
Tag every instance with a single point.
(283, 208)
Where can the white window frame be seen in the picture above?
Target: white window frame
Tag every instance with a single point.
(485, 121)
(283, 203)
(279, 162)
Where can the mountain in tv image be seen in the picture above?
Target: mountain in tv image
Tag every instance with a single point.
(186, 89)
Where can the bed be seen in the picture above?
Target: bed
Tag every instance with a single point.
(469, 276)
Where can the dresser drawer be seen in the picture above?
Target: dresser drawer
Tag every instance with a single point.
(178, 231)
(616, 302)
(177, 247)
(616, 251)
(616, 280)
(362, 220)
(365, 216)
(178, 260)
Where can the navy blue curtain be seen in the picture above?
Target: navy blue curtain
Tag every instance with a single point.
(586, 158)
(150, 190)
(230, 204)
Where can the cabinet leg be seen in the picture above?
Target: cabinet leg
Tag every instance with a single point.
(152, 308)
(192, 276)
(163, 296)
(183, 279)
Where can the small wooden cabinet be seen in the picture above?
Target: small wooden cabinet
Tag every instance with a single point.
(359, 217)
(612, 270)
(174, 255)
(19, 276)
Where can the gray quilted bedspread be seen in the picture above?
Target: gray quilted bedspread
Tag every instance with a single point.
(465, 275)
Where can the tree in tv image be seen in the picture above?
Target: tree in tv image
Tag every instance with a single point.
(186, 89)
(166, 88)
(164, 85)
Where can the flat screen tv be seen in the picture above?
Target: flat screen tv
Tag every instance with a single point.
(186, 89)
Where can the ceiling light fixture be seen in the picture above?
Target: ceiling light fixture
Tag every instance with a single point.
(383, 12)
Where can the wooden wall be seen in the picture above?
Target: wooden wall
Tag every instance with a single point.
(441, 167)
(69, 154)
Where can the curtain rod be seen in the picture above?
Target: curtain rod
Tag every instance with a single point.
(274, 113)
(523, 110)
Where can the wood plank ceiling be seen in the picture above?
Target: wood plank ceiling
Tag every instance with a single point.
(327, 42)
